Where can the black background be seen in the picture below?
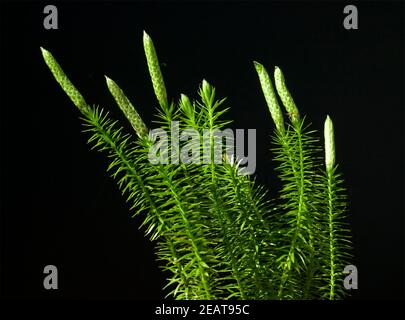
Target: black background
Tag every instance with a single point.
(58, 206)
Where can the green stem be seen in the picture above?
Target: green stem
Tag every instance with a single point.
(299, 174)
(180, 206)
(91, 115)
(221, 213)
(254, 263)
(332, 279)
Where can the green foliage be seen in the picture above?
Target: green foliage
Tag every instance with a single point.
(218, 234)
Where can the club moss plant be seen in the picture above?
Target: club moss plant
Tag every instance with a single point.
(217, 233)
